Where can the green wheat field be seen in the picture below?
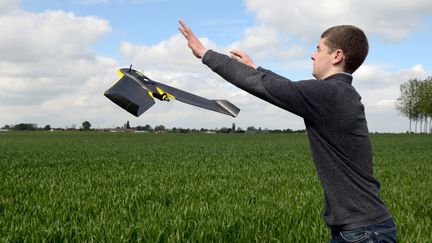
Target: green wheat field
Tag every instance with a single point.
(111, 187)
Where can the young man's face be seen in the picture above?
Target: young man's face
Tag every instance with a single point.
(322, 61)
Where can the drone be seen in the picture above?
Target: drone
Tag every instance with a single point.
(136, 93)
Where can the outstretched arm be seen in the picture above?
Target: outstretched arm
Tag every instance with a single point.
(240, 70)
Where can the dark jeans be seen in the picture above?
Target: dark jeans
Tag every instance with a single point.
(382, 232)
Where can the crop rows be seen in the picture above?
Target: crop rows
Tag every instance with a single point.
(190, 187)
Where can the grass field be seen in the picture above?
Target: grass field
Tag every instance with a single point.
(191, 187)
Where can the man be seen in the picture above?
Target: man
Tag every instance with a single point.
(335, 122)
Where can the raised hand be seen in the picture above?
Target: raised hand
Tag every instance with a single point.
(194, 43)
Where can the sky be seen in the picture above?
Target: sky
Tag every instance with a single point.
(58, 57)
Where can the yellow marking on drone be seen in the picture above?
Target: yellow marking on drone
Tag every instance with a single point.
(159, 90)
(120, 74)
(163, 92)
(163, 95)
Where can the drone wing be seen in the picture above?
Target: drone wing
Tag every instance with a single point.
(129, 95)
(221, 106)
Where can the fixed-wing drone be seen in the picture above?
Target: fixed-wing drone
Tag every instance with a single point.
(135, 93)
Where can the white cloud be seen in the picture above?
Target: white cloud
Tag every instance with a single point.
(45, 55)
(373, 77)
(267, 43)
(392, 20)
(171, 54)
(49, 72)
(386, 104)
(50, 35)
(7, 6)
(379, 89)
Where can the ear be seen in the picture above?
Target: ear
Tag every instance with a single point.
(338, 57)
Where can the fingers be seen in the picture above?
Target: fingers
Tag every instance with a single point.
(185, 30)
(242, 57)
(237, 53)
(184, 25)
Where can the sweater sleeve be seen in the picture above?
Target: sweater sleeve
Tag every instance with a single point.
(302, 98)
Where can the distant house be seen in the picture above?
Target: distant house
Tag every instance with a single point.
(121, 130)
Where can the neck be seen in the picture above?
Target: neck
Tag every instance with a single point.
(334, 70)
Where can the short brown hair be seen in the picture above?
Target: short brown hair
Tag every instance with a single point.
(352, 41)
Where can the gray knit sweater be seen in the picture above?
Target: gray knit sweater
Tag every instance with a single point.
(338, 136)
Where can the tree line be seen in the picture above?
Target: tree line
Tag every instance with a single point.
(415, 103)
(34, 127)
(86, 126)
